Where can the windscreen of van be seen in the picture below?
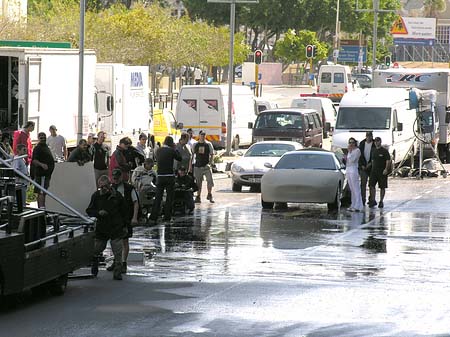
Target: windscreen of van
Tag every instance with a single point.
(339, 78)
(362, 118)
(279, 120)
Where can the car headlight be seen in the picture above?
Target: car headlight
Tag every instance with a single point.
(236, 168)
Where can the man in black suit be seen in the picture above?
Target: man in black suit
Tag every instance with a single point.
(366, 147)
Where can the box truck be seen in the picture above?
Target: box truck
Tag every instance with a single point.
(123, 99)
(41, 85)
(425, 79)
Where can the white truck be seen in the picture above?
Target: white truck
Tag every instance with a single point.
(41, 85)
(425, 79)
(123, 96)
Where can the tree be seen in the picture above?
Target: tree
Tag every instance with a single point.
(433, 7)
(292, 47)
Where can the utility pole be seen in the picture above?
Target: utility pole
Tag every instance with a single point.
(336, 38)
(375, 9)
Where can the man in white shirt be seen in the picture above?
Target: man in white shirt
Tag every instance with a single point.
(57, 144)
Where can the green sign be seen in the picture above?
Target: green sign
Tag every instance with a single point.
(36, 44)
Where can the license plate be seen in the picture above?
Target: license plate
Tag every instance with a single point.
(254, 180)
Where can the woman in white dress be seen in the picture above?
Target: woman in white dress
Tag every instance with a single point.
(351, 168)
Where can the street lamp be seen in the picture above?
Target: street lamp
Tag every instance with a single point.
(336, 38)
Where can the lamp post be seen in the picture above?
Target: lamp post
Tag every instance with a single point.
(81, 71)
(336, 38)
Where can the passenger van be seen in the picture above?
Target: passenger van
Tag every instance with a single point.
(262, 104)
(205, 107)
(297, 125)
(385, 111)
(334, 81)
(322, 105)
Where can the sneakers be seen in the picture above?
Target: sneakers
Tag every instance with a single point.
(117, 275)
(111, 267)
(372, 204)
(197, 199)
(210, 198)
(380, 204)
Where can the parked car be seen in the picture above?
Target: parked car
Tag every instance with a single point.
(248, 170)
(304, 176)
(238, 71)
(289, 124)
(364, 80)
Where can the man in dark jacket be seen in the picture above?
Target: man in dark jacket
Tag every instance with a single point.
(108, 206)
(42, 167)
(132, 204)
(165, 178)
(80, 155)
(366, 147)
(119, 159)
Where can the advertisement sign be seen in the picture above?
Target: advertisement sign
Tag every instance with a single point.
(352, 53)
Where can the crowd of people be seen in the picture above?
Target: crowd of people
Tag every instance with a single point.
(121, 175)
(368, 162)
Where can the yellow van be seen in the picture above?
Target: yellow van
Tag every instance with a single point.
(164, 124)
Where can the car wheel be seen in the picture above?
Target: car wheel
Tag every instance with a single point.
(236, 187)
(255, 189)
(281, 205)
(266, 205)
(336, 205)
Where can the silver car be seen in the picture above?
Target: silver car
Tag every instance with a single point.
(248, 170)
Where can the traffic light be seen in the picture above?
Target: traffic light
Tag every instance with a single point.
(314, 51)
(309, 51)
(258, 56)
(387, 61)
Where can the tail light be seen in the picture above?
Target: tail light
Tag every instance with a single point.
(224, 127)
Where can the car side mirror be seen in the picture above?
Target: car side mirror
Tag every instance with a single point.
(268, 165)
(399, 126)
(250, 125)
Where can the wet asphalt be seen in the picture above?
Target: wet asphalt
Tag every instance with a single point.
(233, 269)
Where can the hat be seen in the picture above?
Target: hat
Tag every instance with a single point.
(52, 127)
(202, 132)
(116, 172)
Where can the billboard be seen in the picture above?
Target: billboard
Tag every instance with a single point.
(409, 30)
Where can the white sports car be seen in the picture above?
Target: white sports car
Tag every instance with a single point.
(248, 170)
(304, 176)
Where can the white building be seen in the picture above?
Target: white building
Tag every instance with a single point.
(14, 10)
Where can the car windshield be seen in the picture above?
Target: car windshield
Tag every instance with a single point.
(378, 118)
(310, 161)
(279, 120)
(268, 150)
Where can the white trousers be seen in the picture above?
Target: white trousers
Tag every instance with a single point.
(355, 189)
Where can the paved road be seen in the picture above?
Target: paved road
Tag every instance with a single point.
(235, 270)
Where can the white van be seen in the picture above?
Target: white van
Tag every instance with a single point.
(385, 111)
(205, 107)
(263, 104)
(324, 106)
(334, 81)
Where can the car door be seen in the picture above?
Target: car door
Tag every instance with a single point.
(317, 132)
(308, 122)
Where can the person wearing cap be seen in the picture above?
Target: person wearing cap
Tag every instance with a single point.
(42, 167)
(57, 144)
(165, 179)
(108, 206)
(204, 158)
(119, 159)
(366, 147)
(80, 155)
(100, 156)
(381, 163)
(23, 137)
(132, 212)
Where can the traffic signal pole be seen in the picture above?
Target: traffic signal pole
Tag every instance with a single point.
(230, 78)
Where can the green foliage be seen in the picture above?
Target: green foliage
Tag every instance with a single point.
(142, 35)
(292, 48)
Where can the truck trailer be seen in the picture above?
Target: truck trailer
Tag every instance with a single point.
(425, 79)
(41, 85)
